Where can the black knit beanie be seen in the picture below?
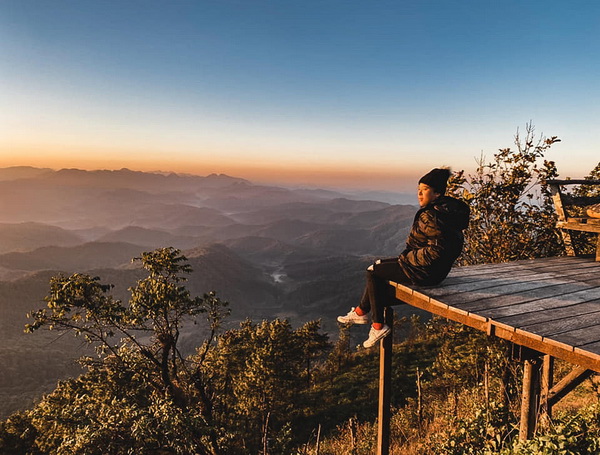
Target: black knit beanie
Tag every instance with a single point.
(436, 179)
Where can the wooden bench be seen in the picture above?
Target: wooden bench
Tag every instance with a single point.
(568, 219)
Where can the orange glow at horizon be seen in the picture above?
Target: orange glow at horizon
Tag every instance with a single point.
(324, 174)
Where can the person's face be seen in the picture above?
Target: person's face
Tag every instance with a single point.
(426, 194)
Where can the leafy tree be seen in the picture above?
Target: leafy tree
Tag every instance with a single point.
(18, 435)
(240, 392)
(135, 394)
(512, 215)
(117, 410)
(259, 375)
(590, 191)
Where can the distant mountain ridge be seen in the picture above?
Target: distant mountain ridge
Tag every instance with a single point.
(146, 181)
(75, 198)
(21, 172)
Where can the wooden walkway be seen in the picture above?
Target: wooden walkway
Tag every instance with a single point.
(551, 305)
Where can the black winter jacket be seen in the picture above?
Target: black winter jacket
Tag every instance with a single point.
(435, 240)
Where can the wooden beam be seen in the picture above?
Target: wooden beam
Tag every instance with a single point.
(548, 346)
(507, 332)
(385, 385)
(575, 225)
(562, 218)
(568, 383)
(581, 200)
(573, 182)
(558, 205)
(567, 242)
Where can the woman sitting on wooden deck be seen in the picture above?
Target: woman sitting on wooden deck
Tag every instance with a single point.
(434, 243)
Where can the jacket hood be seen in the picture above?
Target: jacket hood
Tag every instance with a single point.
(453, 211)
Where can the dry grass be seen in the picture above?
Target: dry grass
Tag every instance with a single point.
(411, 437)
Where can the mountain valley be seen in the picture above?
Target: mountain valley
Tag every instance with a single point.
(270, 252)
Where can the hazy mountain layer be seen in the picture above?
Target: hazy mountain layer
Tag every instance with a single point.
(28, 236)
(270, 251)
(72, 259)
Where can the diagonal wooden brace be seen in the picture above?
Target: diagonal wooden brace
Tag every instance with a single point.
(567, 384)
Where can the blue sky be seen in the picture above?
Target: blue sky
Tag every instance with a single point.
(336, 93)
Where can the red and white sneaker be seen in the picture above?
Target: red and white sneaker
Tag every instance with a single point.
(353, 318)
(376, 335)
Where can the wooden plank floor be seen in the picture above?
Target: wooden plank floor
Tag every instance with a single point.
(551, 305)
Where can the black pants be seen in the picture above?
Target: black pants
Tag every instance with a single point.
(378, 293)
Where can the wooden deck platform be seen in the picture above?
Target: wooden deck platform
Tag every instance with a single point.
(550, 305)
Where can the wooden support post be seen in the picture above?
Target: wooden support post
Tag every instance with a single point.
(530, 398)
(546, 387)
(385, 385)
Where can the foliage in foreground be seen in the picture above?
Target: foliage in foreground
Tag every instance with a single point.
(570, 434)
(455, 393)
(140, 395)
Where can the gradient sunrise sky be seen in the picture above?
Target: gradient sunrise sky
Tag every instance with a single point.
(367, 94)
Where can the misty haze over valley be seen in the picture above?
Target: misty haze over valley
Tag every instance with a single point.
(270, 251)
